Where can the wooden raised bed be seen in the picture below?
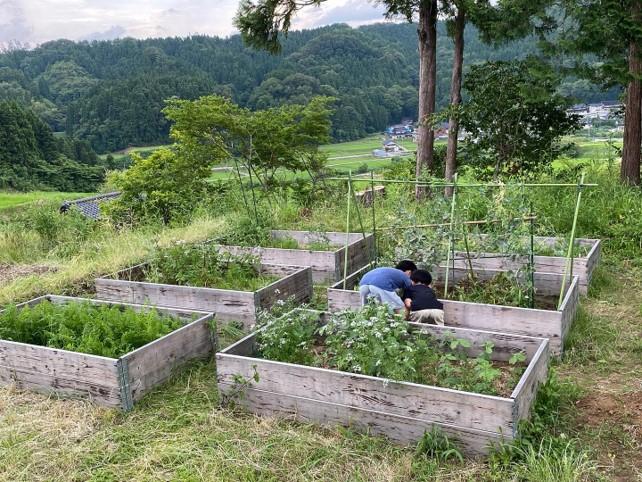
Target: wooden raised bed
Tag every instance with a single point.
(128, 286)
(106, 381)
(327, 266)
(401, 411)
(553, 324)
(583, 266)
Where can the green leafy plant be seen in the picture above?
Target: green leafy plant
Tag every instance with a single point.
(436, 445)
(82, 327)
(204, 265)
(373, 342)
(503, 289)
(289, 337)
(376, 342)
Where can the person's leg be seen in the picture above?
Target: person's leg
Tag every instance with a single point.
(369, 293)
(392, 299)
(432, 317)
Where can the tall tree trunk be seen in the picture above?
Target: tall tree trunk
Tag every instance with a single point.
(630, 168)
(427, 33)
(455, 96)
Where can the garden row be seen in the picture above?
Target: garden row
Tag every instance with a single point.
(182, 290)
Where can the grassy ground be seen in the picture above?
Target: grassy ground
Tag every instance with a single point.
(181, 433)
(16, 199)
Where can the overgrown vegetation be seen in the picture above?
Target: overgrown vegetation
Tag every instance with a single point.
(204, 265)
(378, 343)
(110, 331)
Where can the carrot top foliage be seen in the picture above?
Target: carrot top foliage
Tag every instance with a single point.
(102, 330)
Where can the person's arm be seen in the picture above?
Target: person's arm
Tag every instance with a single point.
(407, 302)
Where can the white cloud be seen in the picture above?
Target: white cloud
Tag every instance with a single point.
(37, 21)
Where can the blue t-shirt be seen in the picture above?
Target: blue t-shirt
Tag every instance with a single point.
(387, 279)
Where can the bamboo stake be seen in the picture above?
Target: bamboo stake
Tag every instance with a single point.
(238, 171)
(356, 205)
(374, 222)
(437, 225)
(448, 184)
(451, 234)
(532, 261)
(345, 254)
(569, 256)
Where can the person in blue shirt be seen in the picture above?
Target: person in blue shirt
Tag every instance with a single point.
(382, 284)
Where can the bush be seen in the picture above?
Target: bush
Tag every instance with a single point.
(165, 186)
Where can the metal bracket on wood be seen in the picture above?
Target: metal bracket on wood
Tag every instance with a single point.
(125, 389)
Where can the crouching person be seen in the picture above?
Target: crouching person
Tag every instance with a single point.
(420, 300)
(381, 284)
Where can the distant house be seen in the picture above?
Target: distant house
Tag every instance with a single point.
(390, 149)
(401, 131)
(607, 109)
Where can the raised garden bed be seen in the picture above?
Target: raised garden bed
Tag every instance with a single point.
(402, 411)
(113, 381)
(327, 264)
(550, 257)
(551, 323)
(130, 286)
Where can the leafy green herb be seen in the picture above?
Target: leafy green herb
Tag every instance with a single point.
(103, 330)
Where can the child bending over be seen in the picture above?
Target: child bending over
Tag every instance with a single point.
(422, 305)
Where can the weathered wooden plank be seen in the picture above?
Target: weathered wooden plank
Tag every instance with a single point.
(297, 284)
(326, 265)
(583, 266)
(61, 386)
(154, 363)
(536, 373)
(505, 344)
(482, 412)
(60, 371)
(569, 308)
(400, 429)
(226, 304)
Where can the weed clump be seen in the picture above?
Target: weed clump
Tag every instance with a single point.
(203, 265)
(103, 330)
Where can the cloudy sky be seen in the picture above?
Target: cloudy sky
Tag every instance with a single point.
(37, 21)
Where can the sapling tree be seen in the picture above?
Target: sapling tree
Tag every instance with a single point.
(263, 141)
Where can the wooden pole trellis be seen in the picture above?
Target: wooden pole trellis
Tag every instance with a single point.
(451, 235)
(531, 265)
(459, 186)
(571, 245)
(345, 254)
(375, 253)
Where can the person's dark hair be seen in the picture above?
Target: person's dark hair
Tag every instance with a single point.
(406, 265)
(421, 276)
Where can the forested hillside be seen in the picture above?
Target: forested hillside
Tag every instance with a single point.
(32, 158)
(111, 93)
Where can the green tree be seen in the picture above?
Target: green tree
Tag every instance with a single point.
(606, 37)
(514, 117)
(163, 186)
(262, 22)
(264, 141)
